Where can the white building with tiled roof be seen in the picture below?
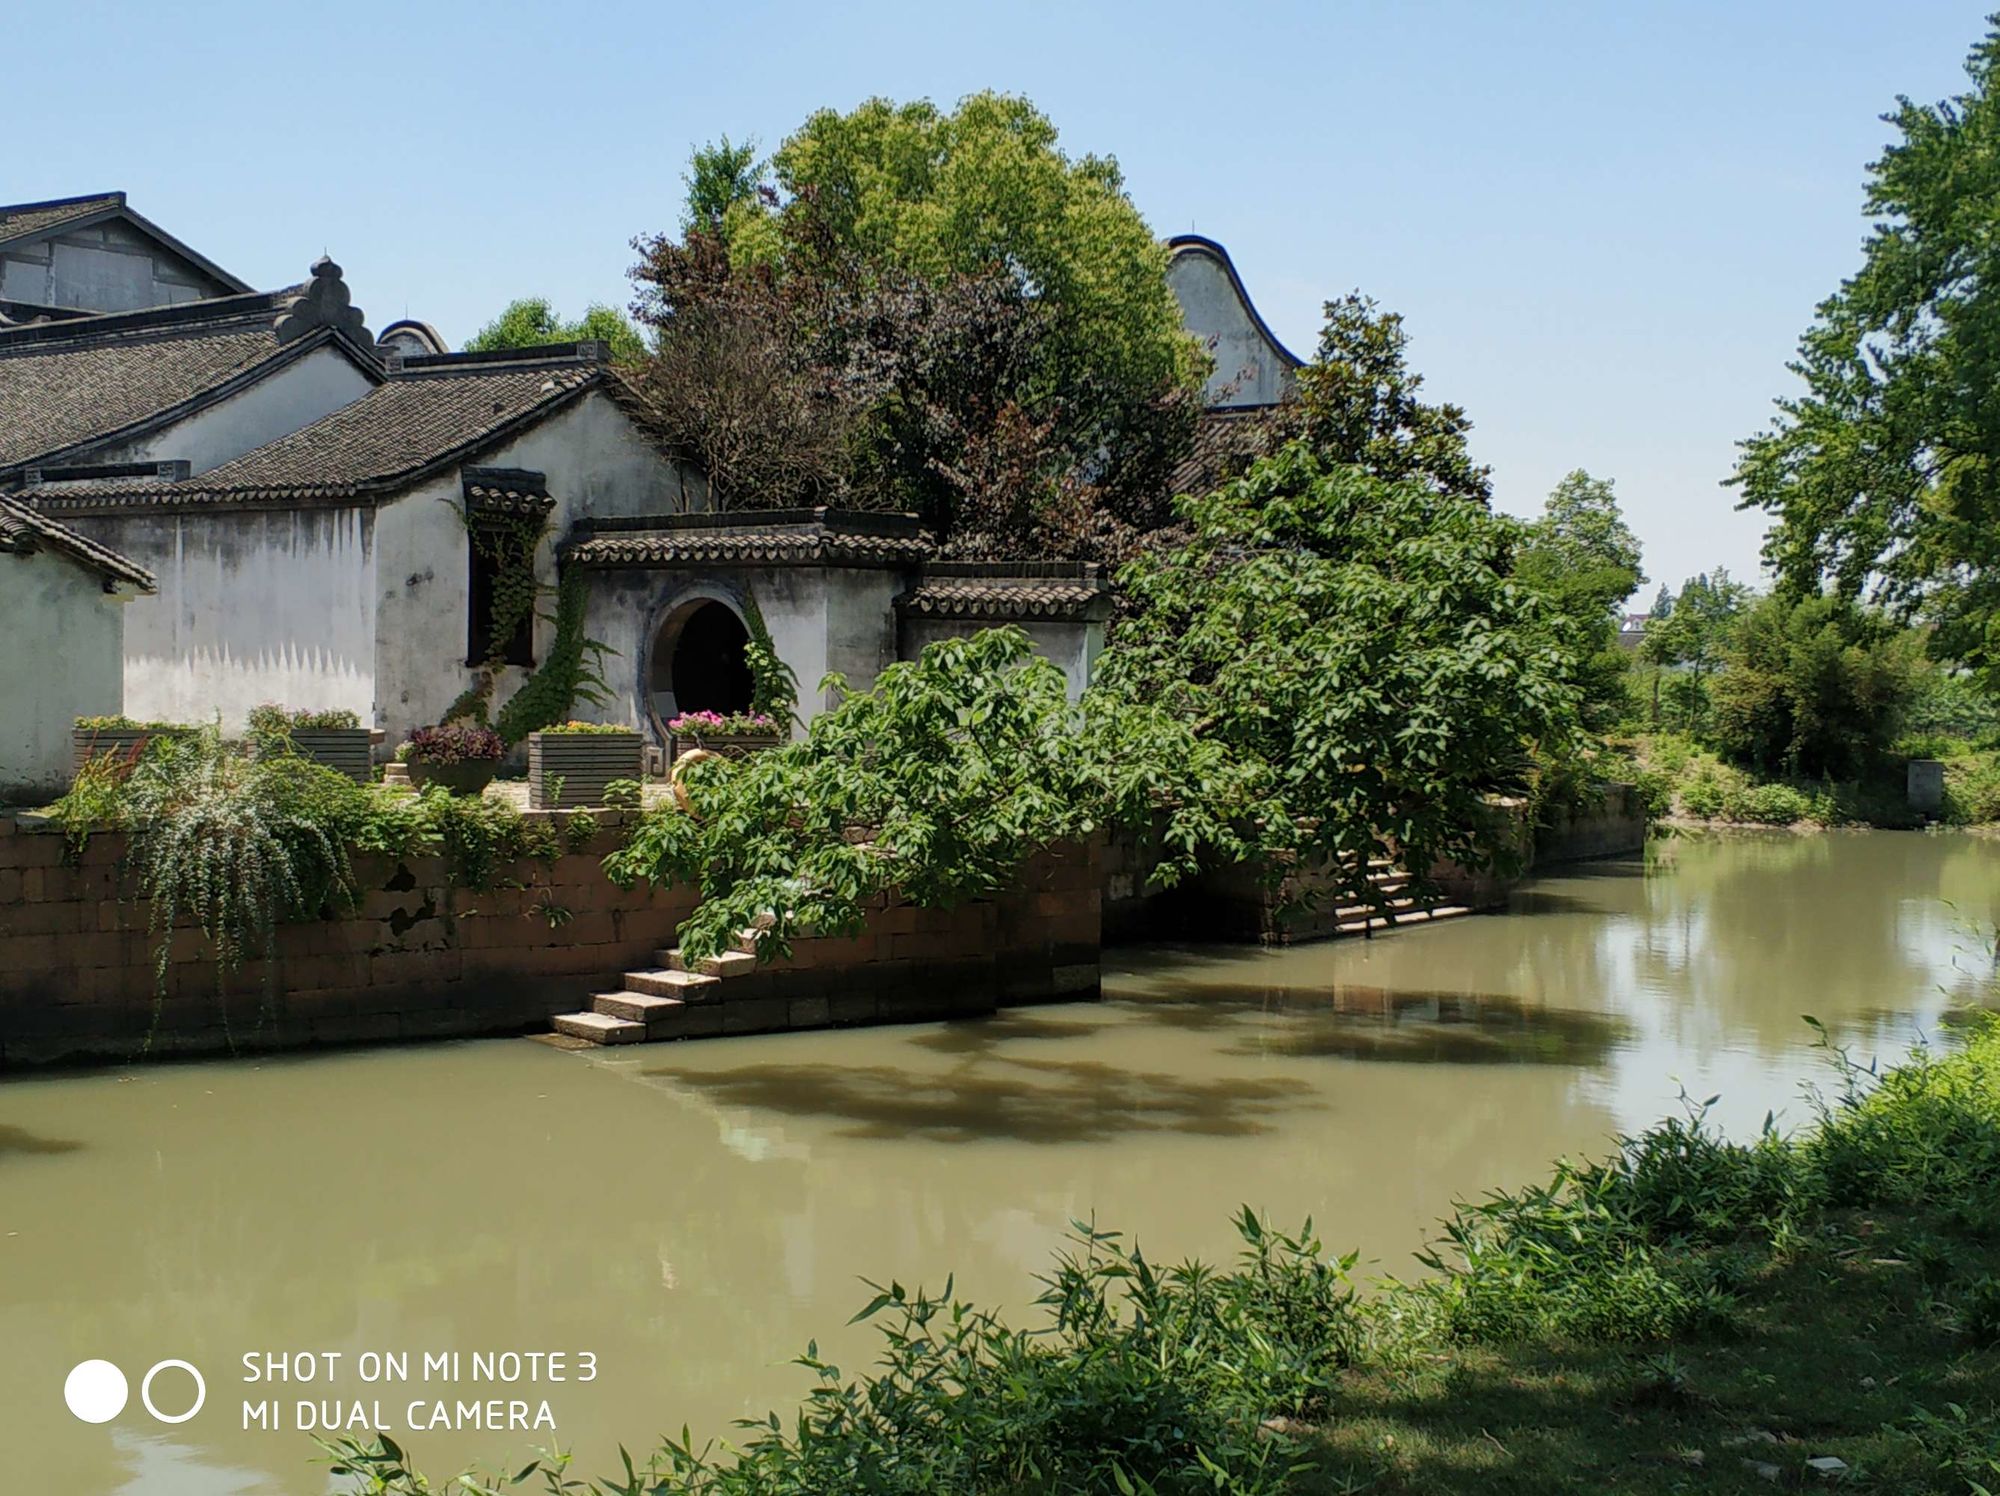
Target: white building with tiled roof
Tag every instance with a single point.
(311, 498)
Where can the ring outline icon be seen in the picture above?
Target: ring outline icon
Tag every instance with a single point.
(146, 1391)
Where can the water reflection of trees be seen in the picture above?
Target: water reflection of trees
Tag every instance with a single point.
(1367, 1022)
(1745, 933)
(1013, 1098)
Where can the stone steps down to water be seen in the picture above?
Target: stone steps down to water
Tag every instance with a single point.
(678, 1000)
(731, 993)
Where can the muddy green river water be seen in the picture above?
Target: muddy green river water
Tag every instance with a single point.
(684, 1217)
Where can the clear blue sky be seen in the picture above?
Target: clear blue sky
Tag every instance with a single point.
(1606, 223)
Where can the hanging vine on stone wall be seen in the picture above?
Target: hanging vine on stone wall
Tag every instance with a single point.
(508, 543)
(568, 673)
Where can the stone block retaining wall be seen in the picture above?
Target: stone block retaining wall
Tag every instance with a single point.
(1233, 904)
(419, 959)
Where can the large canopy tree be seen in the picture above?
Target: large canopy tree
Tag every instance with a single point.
(1357, 402)
(1885, 473)
(1362, 640)
(985, 318)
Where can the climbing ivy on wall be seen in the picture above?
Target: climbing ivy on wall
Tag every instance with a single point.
(568, 673)
(510, 544)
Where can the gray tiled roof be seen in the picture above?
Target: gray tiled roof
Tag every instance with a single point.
(1003, 591)
(400, 432)
(24, 532)
(18, 220)
(1225, 442)
(506, 491)
(66, 384)
(785, 537)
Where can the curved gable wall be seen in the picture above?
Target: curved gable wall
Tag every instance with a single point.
(1251, 366)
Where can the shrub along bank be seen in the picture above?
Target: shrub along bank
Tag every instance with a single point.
(1685, 780)
(1690, 1314)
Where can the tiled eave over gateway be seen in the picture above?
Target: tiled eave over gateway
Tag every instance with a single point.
(784, 537)
(1001, 592)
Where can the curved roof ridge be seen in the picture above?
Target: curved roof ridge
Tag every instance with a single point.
(1181, 244)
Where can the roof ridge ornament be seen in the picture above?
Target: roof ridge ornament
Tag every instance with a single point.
(326, 303)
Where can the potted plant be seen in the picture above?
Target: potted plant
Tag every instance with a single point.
(335, 739)
(461, 756)
(570, 765)
(93, 737)
(732, 734)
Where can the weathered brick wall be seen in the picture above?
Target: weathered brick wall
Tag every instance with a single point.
(1039, 943)
(417, 958)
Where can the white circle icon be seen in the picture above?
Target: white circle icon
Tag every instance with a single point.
(95, 1391)
(146, 1391)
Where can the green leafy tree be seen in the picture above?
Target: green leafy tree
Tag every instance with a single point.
(1583, 559)
(1886, 471)
(1362, 642)
(719, 176)
(1581, 552)
(531, 321)
(1357, 402)
(898, 195)
(1814, 686)
(1691, 641)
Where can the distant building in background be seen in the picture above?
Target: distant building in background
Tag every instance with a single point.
(1631, 631)
(94, 254)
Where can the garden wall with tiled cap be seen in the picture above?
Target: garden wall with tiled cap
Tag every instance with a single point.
(417, 959)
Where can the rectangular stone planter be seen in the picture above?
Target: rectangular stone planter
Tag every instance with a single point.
(126, 743)
(343, 749)
(729, 745)
(568, 770)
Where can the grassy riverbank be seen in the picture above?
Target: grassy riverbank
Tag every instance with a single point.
(1685, 781)
(1690, 1315)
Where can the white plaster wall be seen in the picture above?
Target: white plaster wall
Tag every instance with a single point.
(860, 625)
(359, 608)
(63, 660)
(1073, 647)
(798, 604)
(286, 401)
(420, 603)
(252, 607)
(819, 619)
(628, 608)
(597, 463)
(1249, 368)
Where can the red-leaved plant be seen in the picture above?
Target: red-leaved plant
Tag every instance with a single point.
(456, 743)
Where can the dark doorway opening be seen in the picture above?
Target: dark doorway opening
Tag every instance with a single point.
(709, 671)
